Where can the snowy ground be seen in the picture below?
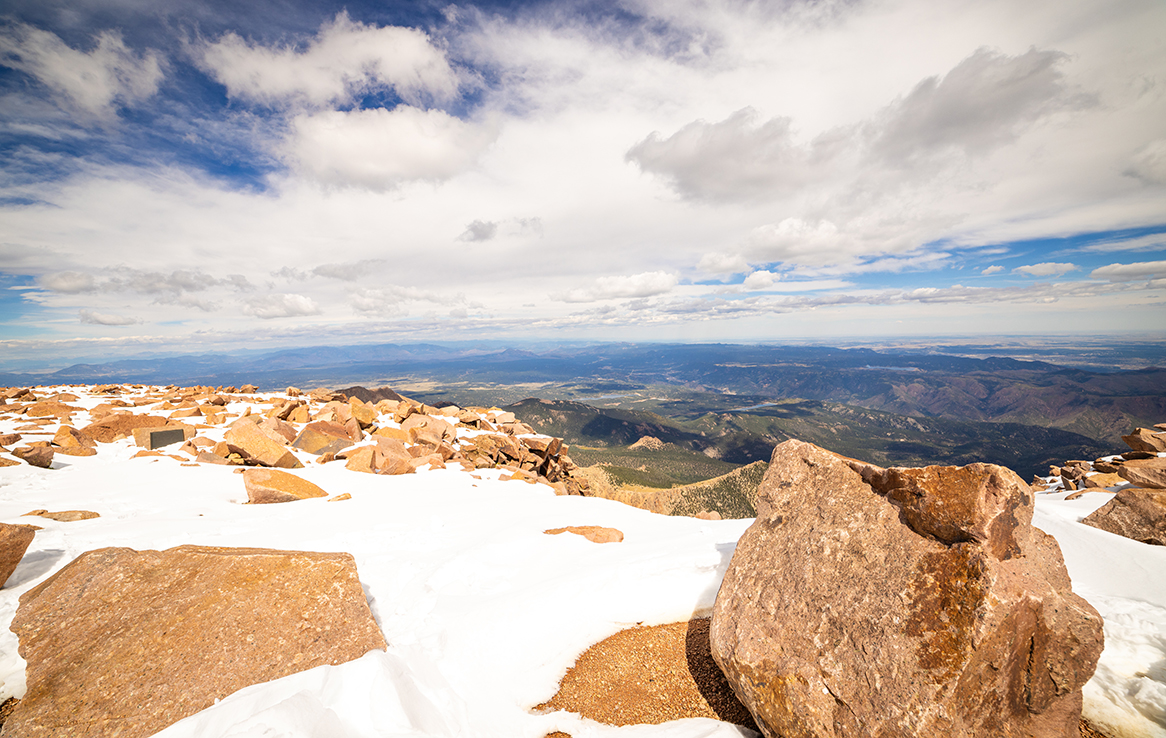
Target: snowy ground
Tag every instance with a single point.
(483, 612)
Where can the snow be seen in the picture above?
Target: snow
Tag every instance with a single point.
(483, 612)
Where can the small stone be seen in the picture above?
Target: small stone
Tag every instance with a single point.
(1102, 481)
(593, 533)
(64, 516)
(271, 485)
(69, 437)
(41, 456)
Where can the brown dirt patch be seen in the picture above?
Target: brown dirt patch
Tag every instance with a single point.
(650, 675)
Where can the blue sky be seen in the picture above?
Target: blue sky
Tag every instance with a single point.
(211, 175)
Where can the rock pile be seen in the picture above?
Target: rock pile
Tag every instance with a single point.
(1138, 477)
(909, 602)
(393, 435)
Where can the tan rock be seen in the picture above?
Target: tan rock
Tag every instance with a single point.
(8, 462)
(394, 433)
(593, 533)
(41, 456)
(206, 457)
(1149, 473)
(14, 541)
(112, 427)
(272, 485)
(362, 459)
(301, 414)
(50, 409)
(322, 436)
(69, 437)
(1136, 513)
(64, 516)
(363, 413)
(1144, 439)
(9, 439)
(277, 430)
(125, 643)
(340, 497)
(1102, 481)
(75, 451)
(901, 602)
(246, 439)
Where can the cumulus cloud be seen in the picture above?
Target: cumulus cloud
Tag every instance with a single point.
(739, 157)
(1131, 272)
(344, 60)
(645, 284)
(982, 103)
(1046, 269)
(722, 263)
(977, 106)
(92, 317)
(379, 149)
(994, 269)
(281, 306)
(479, 230)
(68, 283)
(92, 82)
(760, 280)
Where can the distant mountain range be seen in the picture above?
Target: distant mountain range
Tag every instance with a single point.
(896, 403)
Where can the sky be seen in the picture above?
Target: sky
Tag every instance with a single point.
(208, 175)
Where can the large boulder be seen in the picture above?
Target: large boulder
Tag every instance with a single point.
(1144, 439)
(245, 438)
(901, 602)
(119, 425)
(14, 541)
(1135, 513)
(272, 485)
(125, 643)
(1149, 472)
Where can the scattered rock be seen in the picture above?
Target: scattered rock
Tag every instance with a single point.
(271, 485)
(119, 425)
(593, 533)
(69, 437)
(1144, 439)
(14, 541)
(1135, 513)
(321, 437)
(1145, 472)
(65, 516)
(41, 456)
(125, 643)
(906, 602)
(246, 439)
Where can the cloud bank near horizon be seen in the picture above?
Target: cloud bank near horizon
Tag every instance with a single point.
(653, 170)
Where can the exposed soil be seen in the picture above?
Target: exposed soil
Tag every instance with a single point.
(650, 675)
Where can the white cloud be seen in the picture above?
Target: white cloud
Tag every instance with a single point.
(379, 149)
(348, 271)
(1151, 242)
(91, 317)
(1131, 272)
(479, 230)
(281, 306)
(760, 280)
(96, 82)
(721, 263)
(69, 283)
(1046, 269)
(1149, 162)
(994, 269)
(344, 60)
(646, 284)
(976, 106)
